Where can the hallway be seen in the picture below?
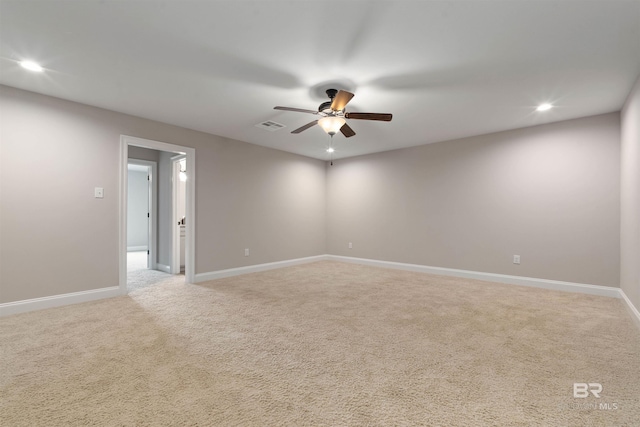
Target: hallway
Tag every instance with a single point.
(139, 276)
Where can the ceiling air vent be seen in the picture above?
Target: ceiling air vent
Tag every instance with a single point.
(270, 126)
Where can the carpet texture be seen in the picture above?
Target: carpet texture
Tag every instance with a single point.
(323, 344)
(139, 276)
(140, 279)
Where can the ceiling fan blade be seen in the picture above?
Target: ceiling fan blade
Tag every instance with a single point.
(384, 117)
(347, 131)
(299, 110)
(305, 127)
(341, 100)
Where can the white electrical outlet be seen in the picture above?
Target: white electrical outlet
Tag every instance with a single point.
(246, 252)
(516, 259)
(98, 192)
(350, 245)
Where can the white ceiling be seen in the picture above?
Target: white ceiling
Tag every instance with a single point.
(445, 69)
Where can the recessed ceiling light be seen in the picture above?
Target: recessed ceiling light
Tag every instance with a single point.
(30, 65)
(330, 150)
(544, 107)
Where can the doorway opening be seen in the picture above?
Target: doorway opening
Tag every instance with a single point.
(158, 224)
(142, 190)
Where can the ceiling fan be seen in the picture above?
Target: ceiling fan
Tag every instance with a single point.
(333, 114)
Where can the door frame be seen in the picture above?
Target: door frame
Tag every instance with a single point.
(190, 246)
(152, 232)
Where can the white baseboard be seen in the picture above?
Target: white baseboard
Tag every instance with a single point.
(85, 296)
(633, 311)
(606, 291)
(136, 248)
(164, 268)
(16, 307)
(203, 277)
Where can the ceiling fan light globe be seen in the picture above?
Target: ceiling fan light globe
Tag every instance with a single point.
(331, 125)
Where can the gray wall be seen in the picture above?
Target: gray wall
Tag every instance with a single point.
(630, 198)
(548, 193)
(57, 238)
(137, 209)
(142, 153)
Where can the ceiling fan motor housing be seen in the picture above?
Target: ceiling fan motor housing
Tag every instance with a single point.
(326, 106)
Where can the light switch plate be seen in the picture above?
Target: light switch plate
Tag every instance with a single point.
(98, 192)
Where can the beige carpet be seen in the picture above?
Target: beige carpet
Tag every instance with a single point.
(139, 279)
(139, 276)
(324, 344)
